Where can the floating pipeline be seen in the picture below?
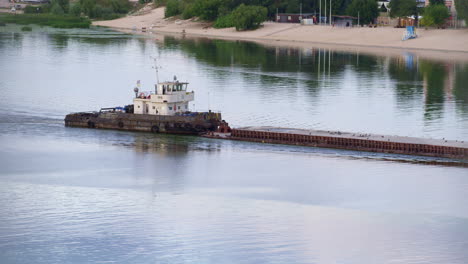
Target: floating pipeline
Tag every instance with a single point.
(453, 149)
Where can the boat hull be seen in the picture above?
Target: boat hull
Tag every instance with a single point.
(192, 123)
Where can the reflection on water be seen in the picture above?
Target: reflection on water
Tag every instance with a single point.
(72, 195)
(251, 84)
(415, 79)
(426, 91)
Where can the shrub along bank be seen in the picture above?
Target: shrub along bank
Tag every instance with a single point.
(223, 13)
(62, 14)
(46, 20)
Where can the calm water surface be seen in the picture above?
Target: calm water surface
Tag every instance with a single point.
(73, 195)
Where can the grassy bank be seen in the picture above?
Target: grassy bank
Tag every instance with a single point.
(46, 20)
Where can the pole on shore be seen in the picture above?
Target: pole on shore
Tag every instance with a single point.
(300, 11)
(330, 13)
(320, 12)
(325, 13)
(358, 18)
(456, 21)
(388, 15)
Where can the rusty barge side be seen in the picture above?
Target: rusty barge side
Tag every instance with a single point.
(360, 142)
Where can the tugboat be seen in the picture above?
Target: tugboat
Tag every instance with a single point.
(166, 110)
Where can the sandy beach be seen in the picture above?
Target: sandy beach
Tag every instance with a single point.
(438, 43)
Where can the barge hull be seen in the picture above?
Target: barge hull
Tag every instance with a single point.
(194, 124)
(368, 142)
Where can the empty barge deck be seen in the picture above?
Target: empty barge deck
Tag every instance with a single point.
(352, 141)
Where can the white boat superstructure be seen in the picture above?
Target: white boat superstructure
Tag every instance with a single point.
(169, 98)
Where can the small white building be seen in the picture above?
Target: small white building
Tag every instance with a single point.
(169, 98)
(383, 2)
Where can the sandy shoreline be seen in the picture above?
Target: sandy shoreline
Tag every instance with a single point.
(438, 44)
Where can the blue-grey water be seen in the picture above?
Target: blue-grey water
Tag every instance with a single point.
(71, 195)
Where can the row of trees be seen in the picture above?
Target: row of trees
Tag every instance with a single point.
(253, 11)
(212, 9)
(102, 9)
(366, 10)
(240, 14)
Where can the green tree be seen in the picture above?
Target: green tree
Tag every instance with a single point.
(64, 4)
(367, 10)
(462, 8)
(207, 9)
(248, 17)
(293, 6)
(435, 15)
(119, 6)
(56, 9)
(224, 22)
(104, 12)
(403, 8)
(87, 7)
(340, 6)
(75, 9)
(437, 2)
(173, 8)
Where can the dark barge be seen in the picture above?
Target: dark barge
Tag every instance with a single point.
(351, 141)
(191, 123)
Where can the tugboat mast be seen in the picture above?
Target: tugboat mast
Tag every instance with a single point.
(155, 67)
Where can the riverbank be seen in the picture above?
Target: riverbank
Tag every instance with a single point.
(51, 20)
(447, 40)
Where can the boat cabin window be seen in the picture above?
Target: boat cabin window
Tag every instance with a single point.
(176, 87)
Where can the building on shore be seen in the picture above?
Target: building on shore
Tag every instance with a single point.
(384, 3)
(343, 21)
(292, 17)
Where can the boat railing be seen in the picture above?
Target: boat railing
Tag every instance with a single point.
(145, 94)
(112, 109)
(85, 112)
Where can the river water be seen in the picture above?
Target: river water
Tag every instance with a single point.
(71, 195)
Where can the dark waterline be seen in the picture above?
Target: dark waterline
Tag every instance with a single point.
(83, 196)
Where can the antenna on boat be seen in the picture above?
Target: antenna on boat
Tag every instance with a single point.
(136, 89)
(156, 67)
